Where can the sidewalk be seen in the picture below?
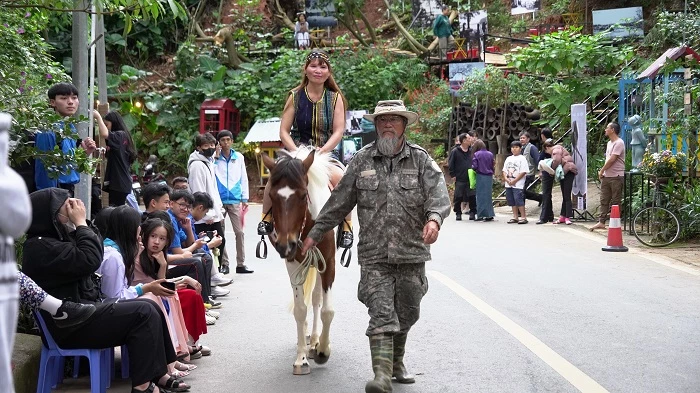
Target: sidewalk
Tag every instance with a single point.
(688, 253)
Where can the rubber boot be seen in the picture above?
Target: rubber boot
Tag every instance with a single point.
(399, 372)
(382, 348)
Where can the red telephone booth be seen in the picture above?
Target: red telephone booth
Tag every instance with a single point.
(219, 114)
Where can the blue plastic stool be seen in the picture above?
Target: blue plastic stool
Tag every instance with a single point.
(50, 367)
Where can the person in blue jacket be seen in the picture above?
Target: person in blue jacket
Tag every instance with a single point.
(63, 98)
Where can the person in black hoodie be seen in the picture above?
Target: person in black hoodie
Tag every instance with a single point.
(62, 252)
(459, 163)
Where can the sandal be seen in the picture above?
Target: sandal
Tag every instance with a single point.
(523, 221)
(184, 367)
(179, 374)
(150, 389)
(175, 385)
(513, 221)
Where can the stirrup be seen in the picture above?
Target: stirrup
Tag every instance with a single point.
(264, 228)
(262, 244)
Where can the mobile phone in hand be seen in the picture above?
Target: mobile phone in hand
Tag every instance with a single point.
(210, 234)
(168, 285)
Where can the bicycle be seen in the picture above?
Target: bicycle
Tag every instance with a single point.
(655, 225)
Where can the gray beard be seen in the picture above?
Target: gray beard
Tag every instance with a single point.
(388, 146)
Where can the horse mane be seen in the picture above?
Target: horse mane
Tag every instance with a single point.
(319, 176)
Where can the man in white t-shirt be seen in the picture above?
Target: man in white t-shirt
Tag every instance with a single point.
(514, 170)
(612, 174)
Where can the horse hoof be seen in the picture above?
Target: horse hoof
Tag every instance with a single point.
(304, 369)
(320, 357)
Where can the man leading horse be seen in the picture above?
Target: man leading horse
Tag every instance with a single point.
(401, 200)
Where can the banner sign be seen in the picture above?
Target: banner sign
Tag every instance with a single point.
(579, 152)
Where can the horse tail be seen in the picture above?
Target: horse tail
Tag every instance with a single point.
(309, 285)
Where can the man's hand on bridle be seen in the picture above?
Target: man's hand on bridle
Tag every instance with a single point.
(308, 243)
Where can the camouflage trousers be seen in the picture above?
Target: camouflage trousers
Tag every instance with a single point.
(392, 294)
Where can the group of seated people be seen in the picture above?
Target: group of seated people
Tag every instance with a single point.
(146, 281)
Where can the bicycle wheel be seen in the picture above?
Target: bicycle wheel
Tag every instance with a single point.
(655, 226)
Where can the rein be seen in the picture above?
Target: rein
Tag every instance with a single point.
(314, 258)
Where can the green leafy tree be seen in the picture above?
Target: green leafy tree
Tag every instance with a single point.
(574, 66)
(27, 71)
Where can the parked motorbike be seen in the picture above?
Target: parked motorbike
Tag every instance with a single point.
(150, 175)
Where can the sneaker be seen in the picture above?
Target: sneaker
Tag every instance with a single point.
(472, 216)
(458, 217)
(264, 228)
(210, 320)
(225, 269)
(214, 304)
(72, 314)
(217, 291)
(243, 269)
(219, 280)
(212, 313)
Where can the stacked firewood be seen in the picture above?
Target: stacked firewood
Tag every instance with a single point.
(496, 125)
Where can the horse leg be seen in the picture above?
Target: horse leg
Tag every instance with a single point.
(301, 364)
(316, 304)
(327, 313)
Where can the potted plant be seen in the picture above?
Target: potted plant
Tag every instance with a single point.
(663, 165)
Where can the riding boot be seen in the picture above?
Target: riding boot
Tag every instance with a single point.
(382, 348)
(400, 373)
(264, 228)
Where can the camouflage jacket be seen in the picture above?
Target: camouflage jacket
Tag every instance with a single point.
(395, 197)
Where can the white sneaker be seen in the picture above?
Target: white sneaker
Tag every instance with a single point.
(216, 291)
(210, 320)
(219, 280)
(212, 314)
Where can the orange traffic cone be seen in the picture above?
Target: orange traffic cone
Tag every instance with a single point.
(615, 232)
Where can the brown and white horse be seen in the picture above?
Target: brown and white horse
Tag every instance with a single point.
(298, 191)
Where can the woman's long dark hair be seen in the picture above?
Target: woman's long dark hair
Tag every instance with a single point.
(122, 227)
(118, 125)
(102, 221)
(148, 265)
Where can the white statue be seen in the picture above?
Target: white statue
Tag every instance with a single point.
(638, 141)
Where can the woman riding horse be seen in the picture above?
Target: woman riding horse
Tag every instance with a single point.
(314, 115)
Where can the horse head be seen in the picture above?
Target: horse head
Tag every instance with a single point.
(289, 195)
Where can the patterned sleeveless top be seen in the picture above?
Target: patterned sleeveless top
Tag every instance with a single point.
(313, 121)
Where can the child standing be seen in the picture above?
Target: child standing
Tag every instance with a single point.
(514, 170)
(483, 165)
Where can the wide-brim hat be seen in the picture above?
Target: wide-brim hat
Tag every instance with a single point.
(393, 107)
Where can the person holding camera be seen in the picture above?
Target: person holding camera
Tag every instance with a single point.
(122, 248)
(62, 252)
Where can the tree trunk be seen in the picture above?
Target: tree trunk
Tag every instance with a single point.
(370, 28)
(225, 36)
(279, 13)
(405, 33)
(349, 25)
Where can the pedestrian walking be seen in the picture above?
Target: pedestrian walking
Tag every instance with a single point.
(401, 200)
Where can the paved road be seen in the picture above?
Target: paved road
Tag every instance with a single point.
(511, 308)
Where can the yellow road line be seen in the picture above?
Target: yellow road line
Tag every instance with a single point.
(576, 377)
